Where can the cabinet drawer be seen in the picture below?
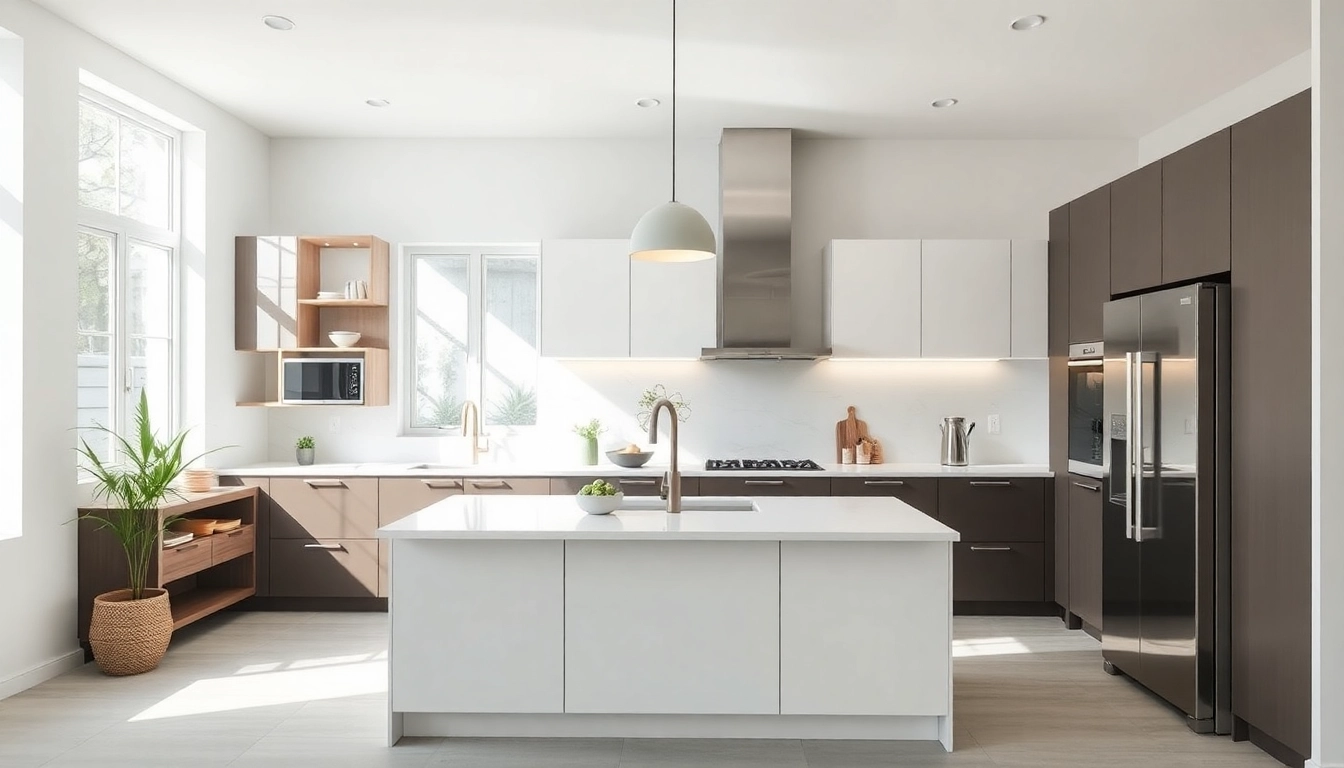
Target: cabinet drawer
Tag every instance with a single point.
(1001, 571)
(184, 560)
(994, 509)
(324, 568)
(630, 486)
(519, 486)
(919, 492)
(324, 508)
(231, 544)
(765, 486)
(401, 496)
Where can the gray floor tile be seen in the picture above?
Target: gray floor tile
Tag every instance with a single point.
(720, 753)
(527, 753)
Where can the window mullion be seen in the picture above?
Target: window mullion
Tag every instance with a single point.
(475, 331)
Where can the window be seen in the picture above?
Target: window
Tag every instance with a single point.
(473, 334)
(126, 248)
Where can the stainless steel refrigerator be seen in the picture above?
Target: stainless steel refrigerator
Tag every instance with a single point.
(1166, 479)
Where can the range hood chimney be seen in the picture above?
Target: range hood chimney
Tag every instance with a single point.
(755, 288)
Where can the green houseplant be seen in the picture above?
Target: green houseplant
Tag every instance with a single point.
(589, 433)
(131, 627)
(305, 450)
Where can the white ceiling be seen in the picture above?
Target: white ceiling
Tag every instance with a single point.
(480, 68)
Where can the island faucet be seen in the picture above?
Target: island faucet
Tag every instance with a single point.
(673, 479)
(469, 407)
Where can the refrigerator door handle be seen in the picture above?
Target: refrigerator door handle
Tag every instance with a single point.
(1140, 358)
(1129, 444)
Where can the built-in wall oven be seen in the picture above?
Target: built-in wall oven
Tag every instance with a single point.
(1085, 409)
(323, 381)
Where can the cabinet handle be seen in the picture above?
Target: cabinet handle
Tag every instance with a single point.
(187, 548)
(763, 482)
(991, 549)
(639, 482)
(1093, 488)
(440, 485)
(328, 547)
(238, 532)
(325, 483)
(991, 483)
(884, 482)
(489, 484)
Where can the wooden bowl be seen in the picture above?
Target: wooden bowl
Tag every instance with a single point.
(199, 526)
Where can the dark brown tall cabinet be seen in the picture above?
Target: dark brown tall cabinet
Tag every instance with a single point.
(1197, 210)
(1271, 423)
(1089, 263)
(1057, 343)
(1136, 230)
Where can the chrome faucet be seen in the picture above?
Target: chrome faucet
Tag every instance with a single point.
(469, 407)
(673, 479)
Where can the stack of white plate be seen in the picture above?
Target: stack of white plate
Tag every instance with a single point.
(198, 480)
(174, 538)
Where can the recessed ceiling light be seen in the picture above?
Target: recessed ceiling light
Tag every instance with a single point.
(1028, 22)
(939, 104)
(648, 102)
(278, 22)
(377, 102)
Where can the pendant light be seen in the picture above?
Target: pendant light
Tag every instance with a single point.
(673, 231)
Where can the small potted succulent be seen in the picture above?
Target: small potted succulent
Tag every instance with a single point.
(599, 498)
(589, 432)
(305, 450)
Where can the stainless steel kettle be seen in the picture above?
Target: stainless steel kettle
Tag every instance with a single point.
(956, 441)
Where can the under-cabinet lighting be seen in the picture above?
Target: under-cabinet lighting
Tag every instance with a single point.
(921, 359)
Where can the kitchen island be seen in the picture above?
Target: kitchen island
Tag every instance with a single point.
(738, 618)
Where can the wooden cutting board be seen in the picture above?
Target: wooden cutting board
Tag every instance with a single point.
(848, 431)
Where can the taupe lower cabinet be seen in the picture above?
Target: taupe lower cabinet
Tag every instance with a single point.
(765, 486)
(323, 540)
(1002, 555)
(1085, 503)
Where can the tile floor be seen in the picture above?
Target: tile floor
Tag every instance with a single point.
(293, 690)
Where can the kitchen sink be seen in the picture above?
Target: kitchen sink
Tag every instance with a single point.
(696, 504)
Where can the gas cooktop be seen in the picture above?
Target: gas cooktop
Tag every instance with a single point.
(761, 464)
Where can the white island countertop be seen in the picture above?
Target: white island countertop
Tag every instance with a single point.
(709, 518)
(695, 469)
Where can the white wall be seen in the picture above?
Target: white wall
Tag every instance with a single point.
(1289, 78)
(521, 190)
(40, 633)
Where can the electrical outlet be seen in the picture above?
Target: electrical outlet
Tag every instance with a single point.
(993, 423)
(334, 424)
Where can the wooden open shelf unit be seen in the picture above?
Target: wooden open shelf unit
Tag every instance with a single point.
(278, 312)
(203, 576)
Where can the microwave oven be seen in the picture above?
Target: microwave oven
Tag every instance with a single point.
(323, 381)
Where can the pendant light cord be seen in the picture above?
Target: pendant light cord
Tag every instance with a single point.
(674, 101)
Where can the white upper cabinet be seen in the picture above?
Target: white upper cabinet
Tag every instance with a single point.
(873, 296)
(585, 298)
(672, 308)
(967, 299)
(1030, 308)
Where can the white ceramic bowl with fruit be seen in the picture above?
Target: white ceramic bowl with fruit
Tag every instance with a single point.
(599, 498)
(630, 457)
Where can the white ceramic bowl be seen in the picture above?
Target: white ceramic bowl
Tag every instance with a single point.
(600, 505)
(344, 338)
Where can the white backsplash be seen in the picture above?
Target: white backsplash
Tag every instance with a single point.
(739, 409)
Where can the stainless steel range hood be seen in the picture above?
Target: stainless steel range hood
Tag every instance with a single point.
(755, 289)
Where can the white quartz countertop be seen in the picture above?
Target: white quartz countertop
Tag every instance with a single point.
(721, 518)
(405, 469)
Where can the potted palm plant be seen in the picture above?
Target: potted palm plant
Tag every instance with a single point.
(131, 627)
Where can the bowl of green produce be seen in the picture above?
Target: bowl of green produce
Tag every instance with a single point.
(599, 498)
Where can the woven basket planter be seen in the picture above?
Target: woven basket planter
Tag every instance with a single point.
(130, 636)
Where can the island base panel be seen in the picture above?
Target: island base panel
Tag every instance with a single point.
(440, 725)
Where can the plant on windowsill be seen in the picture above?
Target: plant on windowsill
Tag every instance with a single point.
(589, 433)
(305, 450)
(131, 627)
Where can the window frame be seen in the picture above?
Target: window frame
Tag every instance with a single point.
(476, 254)
(124, 230)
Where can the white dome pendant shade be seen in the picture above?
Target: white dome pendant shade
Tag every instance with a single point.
(672, 232)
